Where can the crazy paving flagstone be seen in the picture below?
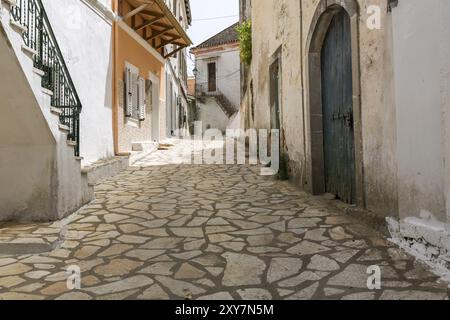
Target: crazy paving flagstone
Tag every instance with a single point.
(167, 230)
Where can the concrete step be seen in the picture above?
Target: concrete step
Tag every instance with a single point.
(103, 169)
(64, 128)
(55, 111)
(30, 52)
(142, 149)
(30, 238)
(18, 27)
(71, 143)
(39, 72)
(144, 146)
(47, 91)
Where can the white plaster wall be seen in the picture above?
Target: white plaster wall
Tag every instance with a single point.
(421, 47)
(229, 77)
(235, 121)
(212, 115)
(84, 35)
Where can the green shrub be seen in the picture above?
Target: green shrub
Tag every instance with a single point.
(245, 37)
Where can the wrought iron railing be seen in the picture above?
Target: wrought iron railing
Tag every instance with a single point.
(39, 37)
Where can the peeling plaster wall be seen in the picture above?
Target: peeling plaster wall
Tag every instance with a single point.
(277, 23)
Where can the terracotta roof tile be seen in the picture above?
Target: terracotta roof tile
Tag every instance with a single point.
(229, 35)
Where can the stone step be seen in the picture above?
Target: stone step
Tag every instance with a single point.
(64, 128)
(104, 169)
(29, 238)
(142, 150)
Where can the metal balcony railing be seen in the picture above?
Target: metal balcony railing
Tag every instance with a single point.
(39, 37)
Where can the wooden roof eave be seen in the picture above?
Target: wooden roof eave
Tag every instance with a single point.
(163, 24)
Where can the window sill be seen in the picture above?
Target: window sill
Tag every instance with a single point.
(131, 122)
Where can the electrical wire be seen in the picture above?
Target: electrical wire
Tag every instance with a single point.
(216, 18)
(222, 77)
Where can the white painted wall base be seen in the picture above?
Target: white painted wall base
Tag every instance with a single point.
(427, 240)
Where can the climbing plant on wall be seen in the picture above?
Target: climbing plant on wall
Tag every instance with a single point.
(245, 37)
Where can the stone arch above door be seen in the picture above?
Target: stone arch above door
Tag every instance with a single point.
(325, 11)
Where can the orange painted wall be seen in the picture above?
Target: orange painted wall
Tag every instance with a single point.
(127, 49)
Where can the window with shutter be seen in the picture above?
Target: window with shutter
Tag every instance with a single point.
(149, 94)
(135, 83)
(132, 106)
(142, 102)
(128, 92)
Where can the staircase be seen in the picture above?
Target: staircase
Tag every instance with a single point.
(225, 104)
(39, 40)
(40, 163)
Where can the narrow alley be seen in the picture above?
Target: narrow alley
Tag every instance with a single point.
(180, 231)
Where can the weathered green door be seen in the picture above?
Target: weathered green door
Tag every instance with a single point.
(339, 146)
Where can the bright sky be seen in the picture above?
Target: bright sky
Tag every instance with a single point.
(201, 29)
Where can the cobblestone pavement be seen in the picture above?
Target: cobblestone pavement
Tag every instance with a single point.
(162, 231)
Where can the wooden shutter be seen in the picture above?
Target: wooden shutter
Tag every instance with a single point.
(134, 90)
(149, 94)
(128, 92)
(142, 99)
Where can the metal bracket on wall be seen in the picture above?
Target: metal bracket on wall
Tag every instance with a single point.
(392, 4)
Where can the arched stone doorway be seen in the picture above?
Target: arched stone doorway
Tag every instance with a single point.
(334, 108)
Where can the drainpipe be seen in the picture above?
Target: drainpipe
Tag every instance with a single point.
(115, 101)
(114, 81)
(302, 75)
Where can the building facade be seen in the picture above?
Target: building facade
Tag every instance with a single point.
(217, 65)
(177, 102)
(87, 87)
(147, 38)
(342, 85)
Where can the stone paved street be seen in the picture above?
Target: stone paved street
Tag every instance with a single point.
(212, 232)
